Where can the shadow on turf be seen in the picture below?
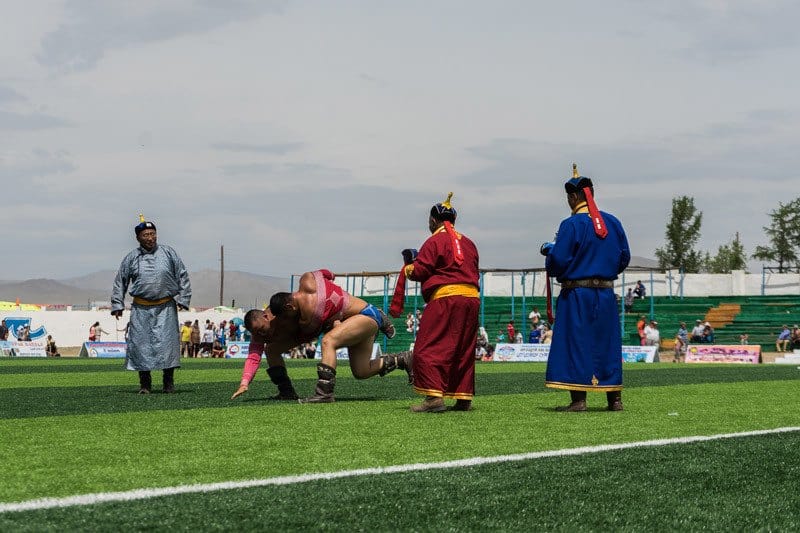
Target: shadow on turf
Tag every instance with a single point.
(135, 391)
(62, 401)
(589, 409)
(339, 399)
(68, 365)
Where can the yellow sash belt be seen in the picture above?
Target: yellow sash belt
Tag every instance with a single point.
(456, 289)
(142, 301)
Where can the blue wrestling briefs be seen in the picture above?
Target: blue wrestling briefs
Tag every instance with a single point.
(374, 313)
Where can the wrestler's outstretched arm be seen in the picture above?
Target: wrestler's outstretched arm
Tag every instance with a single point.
(254, 351)
(274, 351)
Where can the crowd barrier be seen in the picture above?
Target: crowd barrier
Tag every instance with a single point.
(723, 353)
(238, 350)
(103, 350)
(540, 352)
(23, 348)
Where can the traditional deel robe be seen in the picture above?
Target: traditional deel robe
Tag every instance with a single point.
(586, 350)
(444, 350)
(156, 280)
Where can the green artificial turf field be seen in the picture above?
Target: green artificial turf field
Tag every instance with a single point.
(75, 426)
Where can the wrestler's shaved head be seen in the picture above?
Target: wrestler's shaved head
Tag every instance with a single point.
(250, 317)
(259, 323)
(279, 302)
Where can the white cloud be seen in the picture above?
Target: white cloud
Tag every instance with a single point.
(8, 94)
(309, 133)
(95, 27)
(22, 167)
(732, 31)
(272, 149)
(10, 120)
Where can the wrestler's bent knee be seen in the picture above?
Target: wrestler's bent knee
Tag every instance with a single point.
(361, 373)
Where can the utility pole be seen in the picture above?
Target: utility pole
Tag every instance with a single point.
(221, 271)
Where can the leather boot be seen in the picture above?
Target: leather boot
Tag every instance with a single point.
(169, 380)
(614, 400)
(325, 384)
(387, 327)
(463, 405)
(401, 360)
(431, 404)
(145, 382)
(280, 378)
(577, 404)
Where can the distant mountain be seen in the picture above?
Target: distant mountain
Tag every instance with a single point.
(244, 289)
(100, 281)
(643, 262)
(49, 291)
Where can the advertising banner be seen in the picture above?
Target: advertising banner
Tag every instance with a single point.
(540, 352)
(638, 354)
(16, 324)
(521, 352)
(103, 350)
(23, 348)
(16, 306)
(236, 350)
(723, 353)
(239, 350)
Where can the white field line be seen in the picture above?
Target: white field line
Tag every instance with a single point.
(140, 494)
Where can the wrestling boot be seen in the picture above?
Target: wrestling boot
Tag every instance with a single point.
(387, 327)
(280, 378)
(145, 382)
(325, 383)
(431, 404)
(401, 360)
(463, 405)
(169, 381)
(614, 400)
(578, 403)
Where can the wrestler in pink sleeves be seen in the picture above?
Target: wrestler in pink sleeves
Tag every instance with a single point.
(318, 306)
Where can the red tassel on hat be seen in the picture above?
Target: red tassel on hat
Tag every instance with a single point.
(458, 253)
(597, 219)
(399, 296)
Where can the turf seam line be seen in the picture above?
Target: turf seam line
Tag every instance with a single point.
(141, 494)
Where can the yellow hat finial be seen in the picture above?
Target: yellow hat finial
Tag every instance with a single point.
(575, 171)
(141, 218)
(446, 203)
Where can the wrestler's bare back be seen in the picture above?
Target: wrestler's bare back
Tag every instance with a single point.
(305, 299)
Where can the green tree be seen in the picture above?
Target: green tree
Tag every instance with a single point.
(729, 257)
(683, 231)
(784, 236)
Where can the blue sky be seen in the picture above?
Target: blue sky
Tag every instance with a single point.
(303, 134)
